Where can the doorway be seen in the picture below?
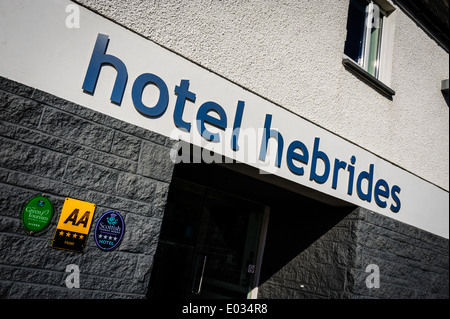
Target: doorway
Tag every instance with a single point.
(210, 244)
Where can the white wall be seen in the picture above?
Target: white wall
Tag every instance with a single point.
(290, 52)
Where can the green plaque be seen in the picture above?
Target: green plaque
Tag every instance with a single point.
(37, 214)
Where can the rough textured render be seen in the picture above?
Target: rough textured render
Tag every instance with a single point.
(290, 52)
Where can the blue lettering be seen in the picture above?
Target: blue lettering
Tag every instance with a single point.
(381, 192)
(369, 177)
(268, 133)
(136, 94)
(183, 94)
(291, 155)
(351, 171)
(315, 156)
(99, 58)
(337, 166)
(394, 191)
(203, 117)
(237, 125)
(296, 155)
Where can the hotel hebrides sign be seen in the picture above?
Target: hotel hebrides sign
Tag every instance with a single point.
(212, 123)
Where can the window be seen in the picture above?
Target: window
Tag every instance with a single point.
(369, 44)
(364, 33)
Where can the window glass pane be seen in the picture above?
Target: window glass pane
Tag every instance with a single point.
(354, 44)
(374, 42)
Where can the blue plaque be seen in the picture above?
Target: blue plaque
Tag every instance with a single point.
(109, 230)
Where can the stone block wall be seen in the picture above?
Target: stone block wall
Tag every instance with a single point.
(331, 261)
(52, 146)
(413, 264)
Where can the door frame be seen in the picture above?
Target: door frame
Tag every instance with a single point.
(253, 294)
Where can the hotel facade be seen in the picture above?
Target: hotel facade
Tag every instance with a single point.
(224, 149)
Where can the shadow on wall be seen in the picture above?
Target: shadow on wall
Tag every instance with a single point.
(309, 251)
(446, 97)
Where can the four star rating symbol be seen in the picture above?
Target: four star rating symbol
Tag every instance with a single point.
(69, 234)
(107, 237)
(80, 236)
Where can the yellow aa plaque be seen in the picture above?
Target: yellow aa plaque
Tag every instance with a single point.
(73, 225)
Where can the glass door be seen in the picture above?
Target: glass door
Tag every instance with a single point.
(208, 246)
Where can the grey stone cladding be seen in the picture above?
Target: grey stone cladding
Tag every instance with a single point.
(412, 264)
(53, 146)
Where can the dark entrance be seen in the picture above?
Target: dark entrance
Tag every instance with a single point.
(209, 243)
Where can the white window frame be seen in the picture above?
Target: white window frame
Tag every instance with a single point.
(387, 42)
